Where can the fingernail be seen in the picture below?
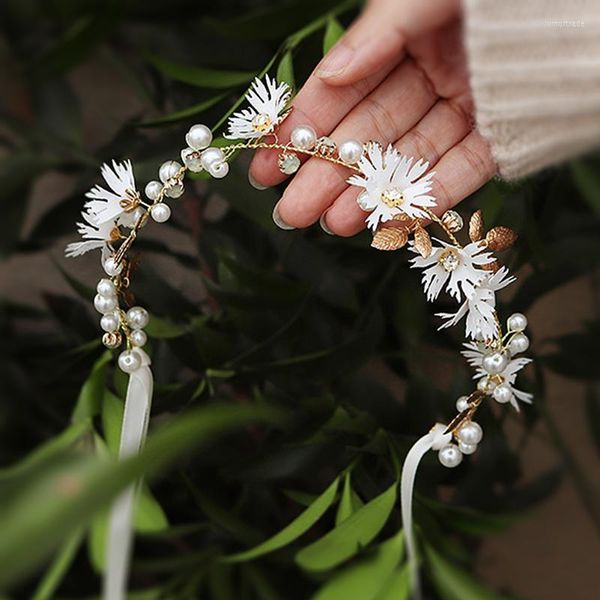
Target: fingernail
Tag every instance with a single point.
(336, 61)
(255, 184)
(324, 225)
(279, 221)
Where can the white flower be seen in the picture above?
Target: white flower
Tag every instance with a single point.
(479, 307)
(392, 185)
(474, 355)
(117, 202)
(94, 236)
(459, 267)
(267, 100)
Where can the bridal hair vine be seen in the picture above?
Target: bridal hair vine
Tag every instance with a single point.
(395, 194)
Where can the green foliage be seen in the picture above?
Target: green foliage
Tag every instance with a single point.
(272, 462)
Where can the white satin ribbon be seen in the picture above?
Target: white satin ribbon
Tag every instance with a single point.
(434, 440)
(133, 435)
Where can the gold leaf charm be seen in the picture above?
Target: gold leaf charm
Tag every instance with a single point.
(390, 238)
(422, 241)
(500, 238)
(476, 226)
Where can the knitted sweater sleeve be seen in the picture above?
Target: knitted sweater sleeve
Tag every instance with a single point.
(535, 75)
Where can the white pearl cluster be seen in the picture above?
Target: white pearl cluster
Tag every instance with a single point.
(304, 138)
(137, 318)
(200, 156)
(467, 437)
(496, 361)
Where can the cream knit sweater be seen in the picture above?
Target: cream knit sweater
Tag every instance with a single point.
(535, 76)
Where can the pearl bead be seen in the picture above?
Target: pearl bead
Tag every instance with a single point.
(467, 448)
(168, 170)
(350, 151)
(160, 212)
(462, 403)
(517, 322)
(138, 338)
(304, 137)
(518, 343)
(495, 362)
(152, 189)
(364, 202)
(111, 267)
(503, 393)
(470, 433)
(450, 456)
(137, 317)
(106, 287)
(136, 215)
(110, 322)
(174, 191)
(210, 156)
(191, 159)
(104, 304)
(130, 361)
(487, 385)
(219, 169)
(199, 137)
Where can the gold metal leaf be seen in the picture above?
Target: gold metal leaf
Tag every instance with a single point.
(422, 241)
(390, 238)
(476, 226)
(500, 238)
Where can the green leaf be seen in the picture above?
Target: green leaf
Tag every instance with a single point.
(300, 525)
(349, 537)
(588, 183)
(453, 583)
(285, 69)
(333, 32)
(183, 114)
(366, 579)
(199, 76)
(58, 568)
(163, 328)
(43, 455)
(91, 395)
(397, 587)
(347, 503)
(73, 493)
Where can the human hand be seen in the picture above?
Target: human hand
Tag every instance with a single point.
(397, 76)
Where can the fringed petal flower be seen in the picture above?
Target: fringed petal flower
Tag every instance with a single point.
(267, 101)
(393, 184)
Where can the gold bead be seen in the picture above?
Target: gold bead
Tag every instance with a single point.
(452, 221)
(112, 339)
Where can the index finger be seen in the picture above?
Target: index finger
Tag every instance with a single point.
(322, 107)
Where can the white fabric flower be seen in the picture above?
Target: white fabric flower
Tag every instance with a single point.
(267, 101)
(94, 236)
(479, 307)
(107, 205)
(392, 185)
(459, 267)
(474, 355)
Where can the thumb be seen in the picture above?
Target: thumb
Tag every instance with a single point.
(379, 36)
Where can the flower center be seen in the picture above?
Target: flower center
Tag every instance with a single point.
(392, 196)
(131, 201)
(449, 259)
(261, 122)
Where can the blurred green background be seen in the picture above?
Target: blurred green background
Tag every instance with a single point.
(293, 369)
